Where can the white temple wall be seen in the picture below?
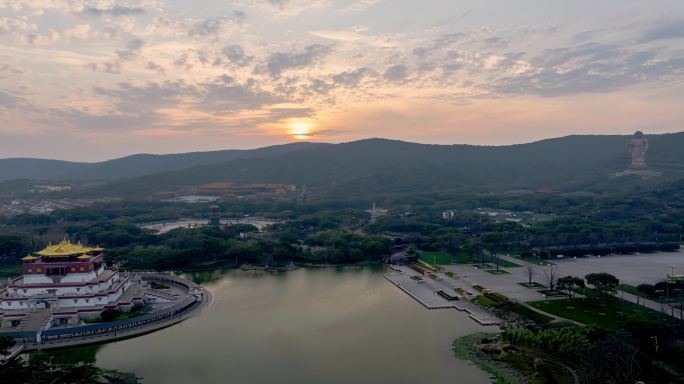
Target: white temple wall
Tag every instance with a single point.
(37, 279)
(79, 277)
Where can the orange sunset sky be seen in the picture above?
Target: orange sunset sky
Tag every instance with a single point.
(91, 80)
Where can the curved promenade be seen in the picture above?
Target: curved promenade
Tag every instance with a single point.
(197, 299)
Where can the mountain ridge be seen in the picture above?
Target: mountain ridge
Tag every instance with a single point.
(381, 165)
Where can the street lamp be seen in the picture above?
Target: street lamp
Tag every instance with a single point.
(670, 280)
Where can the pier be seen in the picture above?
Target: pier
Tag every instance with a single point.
(439, 293)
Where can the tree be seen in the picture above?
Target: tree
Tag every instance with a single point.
(550, 276)
(604, 283)
(644, 290)
(531, 270)
(569, 284)
(109, 314)
(5, 344)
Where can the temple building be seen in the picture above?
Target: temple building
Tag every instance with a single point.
(64, 275)
(65, 284)
(65, 289)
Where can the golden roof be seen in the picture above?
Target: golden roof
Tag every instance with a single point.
(29, 258)
(66, 248)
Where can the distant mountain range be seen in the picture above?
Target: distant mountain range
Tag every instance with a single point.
(130, 166)
(374, 166)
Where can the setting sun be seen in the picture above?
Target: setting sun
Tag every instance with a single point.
(301, 129)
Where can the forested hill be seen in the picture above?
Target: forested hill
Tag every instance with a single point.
(131, 166)
(380, 166)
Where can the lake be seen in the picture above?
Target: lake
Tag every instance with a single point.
(312, 325)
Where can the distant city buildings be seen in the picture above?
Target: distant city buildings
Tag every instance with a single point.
(228, 191)
(448, 215)
(50, 187)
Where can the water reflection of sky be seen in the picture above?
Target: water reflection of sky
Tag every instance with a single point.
(314, 325)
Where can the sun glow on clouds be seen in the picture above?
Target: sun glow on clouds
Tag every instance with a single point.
(301, 129)
(160, 76)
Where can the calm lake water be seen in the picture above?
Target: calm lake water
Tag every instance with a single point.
(329, 325)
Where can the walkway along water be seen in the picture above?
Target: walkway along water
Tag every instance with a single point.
(196, 300)
(435, 293)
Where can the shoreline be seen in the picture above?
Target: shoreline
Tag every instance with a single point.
(463, 348)
(198, 308)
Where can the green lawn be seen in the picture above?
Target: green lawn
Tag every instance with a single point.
(528, 313)
(507, 264)
(590, 311)
(439, 258)
(627, 288)
(484, 301)
(497, 272)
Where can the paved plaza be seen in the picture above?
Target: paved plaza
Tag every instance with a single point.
(630, 269)
(425, 292)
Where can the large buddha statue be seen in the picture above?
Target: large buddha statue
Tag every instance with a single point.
(638, 147)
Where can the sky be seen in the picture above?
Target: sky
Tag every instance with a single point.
(90, 80)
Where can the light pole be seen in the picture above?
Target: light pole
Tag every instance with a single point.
(670, 280)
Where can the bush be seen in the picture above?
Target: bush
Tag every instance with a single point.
(109, 314)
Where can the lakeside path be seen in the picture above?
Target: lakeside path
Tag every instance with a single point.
(630, 269)
(667, 309)
(207, 299)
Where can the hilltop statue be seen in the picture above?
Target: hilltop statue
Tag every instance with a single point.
(638, 148)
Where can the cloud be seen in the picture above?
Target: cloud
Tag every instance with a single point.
(218, 26)
(46, 39)
(664, 30)
(115, 11)
(352, 77)
(396, 73)
(78, 32)
(8, 101)
(293, 7)
(225, 94)
(360, 5)
(10, 71)
(133, 49)
(235, 53)
(217, 95)
(14, 24)
(281, 61)
(588, 68)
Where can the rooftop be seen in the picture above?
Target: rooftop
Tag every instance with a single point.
(67, 248)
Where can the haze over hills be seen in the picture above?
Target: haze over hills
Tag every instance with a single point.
(130, 166)
(374, 166)
(379, 165)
